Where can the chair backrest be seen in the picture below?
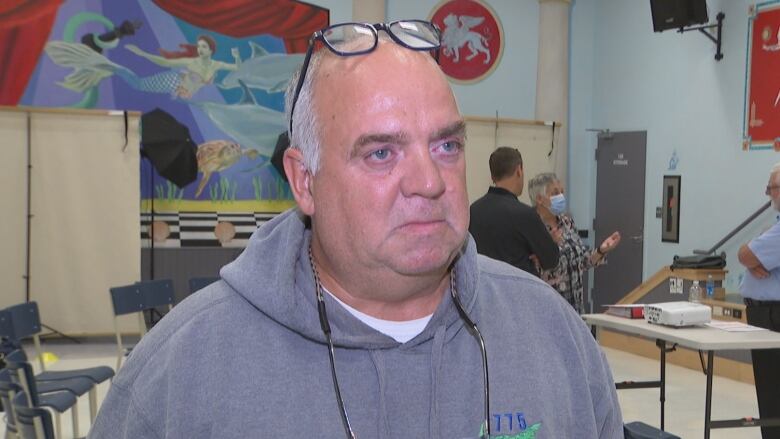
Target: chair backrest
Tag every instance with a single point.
(127, 299)
(198, 283)
(25, 320)
(6, 326)
(156, 292)
(17, 355)
(23, 376)
(7, 392)
(32, 422)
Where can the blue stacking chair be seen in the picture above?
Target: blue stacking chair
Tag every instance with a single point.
(32, 423)
(25, 322)
(198, 283)
(157, 293)
(11, 386)
(640, 430)
(134, 299)
(126, 300)
(7, 392)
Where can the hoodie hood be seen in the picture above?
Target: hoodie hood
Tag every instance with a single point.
(262, 276)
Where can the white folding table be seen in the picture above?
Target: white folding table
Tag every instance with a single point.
(701, 338)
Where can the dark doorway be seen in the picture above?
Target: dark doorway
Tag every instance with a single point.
(620, 205)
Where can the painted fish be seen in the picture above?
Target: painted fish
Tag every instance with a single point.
(248, 123)
(264, 70)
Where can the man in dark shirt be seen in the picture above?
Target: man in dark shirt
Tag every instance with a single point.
(503, 227)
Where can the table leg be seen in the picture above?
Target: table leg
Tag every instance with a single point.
(662, 345)
(708, 402)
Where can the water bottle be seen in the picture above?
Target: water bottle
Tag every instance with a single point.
(710, 287)
(694, 294)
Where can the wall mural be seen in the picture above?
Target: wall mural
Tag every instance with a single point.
(218, 67)
(761, 126)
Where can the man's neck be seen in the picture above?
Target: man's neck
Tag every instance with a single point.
(387, 296)
(411, 304)
(507, 185)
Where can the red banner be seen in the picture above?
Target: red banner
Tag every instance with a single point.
(762, 100)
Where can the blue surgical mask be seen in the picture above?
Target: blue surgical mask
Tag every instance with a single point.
(557, 204)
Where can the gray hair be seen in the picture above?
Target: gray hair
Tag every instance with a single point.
(305, 124)
(775, 169)
(305, 129)
(538, 185)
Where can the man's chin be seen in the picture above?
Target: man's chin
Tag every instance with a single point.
(419, 262)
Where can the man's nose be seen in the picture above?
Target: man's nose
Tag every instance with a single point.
(422, 175)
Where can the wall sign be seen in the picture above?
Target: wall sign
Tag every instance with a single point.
(670, 211)
(472, 39)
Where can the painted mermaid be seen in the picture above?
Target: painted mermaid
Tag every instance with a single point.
(192, 67)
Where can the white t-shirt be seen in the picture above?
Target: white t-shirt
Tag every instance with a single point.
(399, 331)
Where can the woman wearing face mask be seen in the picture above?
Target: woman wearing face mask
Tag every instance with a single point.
(546, 194)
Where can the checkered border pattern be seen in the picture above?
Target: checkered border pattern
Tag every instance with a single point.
(197, 229)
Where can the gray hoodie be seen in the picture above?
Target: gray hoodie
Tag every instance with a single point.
(246, 358)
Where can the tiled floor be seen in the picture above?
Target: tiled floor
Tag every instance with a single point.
(684, 392)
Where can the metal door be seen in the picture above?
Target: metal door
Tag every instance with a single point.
(620, 205)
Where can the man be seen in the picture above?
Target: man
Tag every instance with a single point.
(761, 290)
(503, 227)
(355, 315)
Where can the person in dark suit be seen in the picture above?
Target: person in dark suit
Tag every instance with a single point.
(505, 228)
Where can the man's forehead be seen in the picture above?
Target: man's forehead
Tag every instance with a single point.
(388, 57)
(372, 93)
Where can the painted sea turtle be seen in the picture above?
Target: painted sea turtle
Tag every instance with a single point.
(218, 155)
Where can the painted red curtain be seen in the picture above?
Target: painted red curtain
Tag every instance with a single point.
(24, 28)
(291, 20)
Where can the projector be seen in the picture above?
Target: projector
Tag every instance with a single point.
(677, 313)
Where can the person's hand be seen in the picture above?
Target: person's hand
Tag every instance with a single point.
(133, 48)
(610, 243)
(535, 261)
(759, 272)
(234, 52)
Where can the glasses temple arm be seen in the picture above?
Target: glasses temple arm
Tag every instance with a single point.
(301, 79)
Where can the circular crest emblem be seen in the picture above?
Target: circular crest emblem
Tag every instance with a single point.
(472, 39)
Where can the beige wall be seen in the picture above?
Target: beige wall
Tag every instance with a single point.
(13, 210)
(532, 138)
(85, 229)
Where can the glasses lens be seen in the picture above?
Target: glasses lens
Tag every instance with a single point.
(349, 38)
(416, 34)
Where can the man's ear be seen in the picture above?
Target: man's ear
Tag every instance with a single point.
(301, 180)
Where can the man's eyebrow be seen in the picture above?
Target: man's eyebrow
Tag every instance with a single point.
(456, 129)
(397, 138)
